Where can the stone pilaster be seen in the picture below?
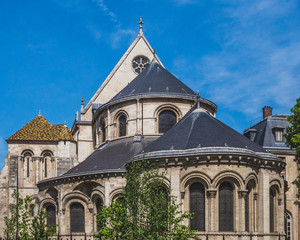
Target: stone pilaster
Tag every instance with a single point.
(211, 197)
(242, 194)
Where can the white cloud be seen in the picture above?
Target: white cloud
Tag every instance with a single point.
(259, 61)
(119, 35)
(107, 11)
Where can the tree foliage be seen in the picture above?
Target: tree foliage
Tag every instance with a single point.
(21, 223)
(293, 135)
(146, 209)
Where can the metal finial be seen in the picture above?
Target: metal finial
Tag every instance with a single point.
(40, 113)
(82, 102)
(198, 99)
(141, 24)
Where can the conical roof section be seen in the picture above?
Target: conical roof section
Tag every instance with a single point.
(39, 129)
(155, 80)
(199, 129)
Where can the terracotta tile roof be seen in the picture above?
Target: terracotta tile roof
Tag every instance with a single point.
(39, 129)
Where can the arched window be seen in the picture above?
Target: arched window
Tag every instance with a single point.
(197, 206)
(226, 207)
(99, 205)
(289, 226)
(272, 210)
(27, 158)
(46, 157)
(77, 221)
(122, 125)
(51, 219)
(167, 119)
(103, 132)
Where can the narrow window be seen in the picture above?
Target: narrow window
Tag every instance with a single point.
(122, 125)
(45, 167)
(197, 207)
(247, 212)
(102, 127)
(289, 226)
(51, 219)
(98, 209)
(272, 209)
(77, 218)
(46, 156)
(278, 134)
(167, 119)
(226, 207)
(27, 157)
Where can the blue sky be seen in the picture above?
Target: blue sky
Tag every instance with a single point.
(242, 55)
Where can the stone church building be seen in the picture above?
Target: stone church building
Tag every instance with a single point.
(238, 186)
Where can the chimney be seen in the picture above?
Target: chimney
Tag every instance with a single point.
(267, 111)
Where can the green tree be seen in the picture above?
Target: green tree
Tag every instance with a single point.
(293, 135)
(22, 224)
(146, 209)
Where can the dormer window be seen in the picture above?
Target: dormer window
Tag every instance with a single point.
(278, 134)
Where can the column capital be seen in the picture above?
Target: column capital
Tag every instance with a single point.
(242, 193)
(211, 193)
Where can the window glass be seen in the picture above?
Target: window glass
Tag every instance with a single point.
(77, 218)
(122, 125)
(226, 207)
(197, 206)
(167, 119)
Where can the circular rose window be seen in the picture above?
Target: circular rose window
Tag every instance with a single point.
(140, 63)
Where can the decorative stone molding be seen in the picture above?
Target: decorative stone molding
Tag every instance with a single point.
(242, 193)
(211, 193)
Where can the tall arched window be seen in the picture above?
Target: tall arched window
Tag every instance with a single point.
(103, 132)
(46, 158)
(167, 119)
(27, 158)
(272, 210)
(226, 207)
(77, 222)
(197, 206)
(51, 218)
(122, 125)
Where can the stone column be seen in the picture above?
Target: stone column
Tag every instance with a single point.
(108, 131)
(242, 194)
(106, 192)
(263, 203)
(254, 221)
(211, 194)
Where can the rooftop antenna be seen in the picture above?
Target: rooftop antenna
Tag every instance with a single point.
(198, 99)
(141, 25)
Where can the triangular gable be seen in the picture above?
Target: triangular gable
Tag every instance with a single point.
(122, 73)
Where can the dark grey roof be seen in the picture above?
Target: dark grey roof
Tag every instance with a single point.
(199, 130)
(264, 134)
(111, 156)
(153, 81)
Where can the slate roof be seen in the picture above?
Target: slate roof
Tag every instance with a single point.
(39, 129)
(199, 130)
(155, 80)
(263, 131)
(110, 156)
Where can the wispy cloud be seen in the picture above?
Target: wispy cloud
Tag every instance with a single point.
(259, 62)
(113, 17)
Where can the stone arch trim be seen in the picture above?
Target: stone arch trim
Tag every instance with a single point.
(76, 196)
(276, 184)
(47, 151)
(251, 176)
(118, 114)
(194, 177)
(97, 192)
(114, 193)
(232, 176)
(46, 201)
(28, 149)
(168, 106)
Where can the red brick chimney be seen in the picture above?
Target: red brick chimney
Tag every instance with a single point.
(267, 111)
